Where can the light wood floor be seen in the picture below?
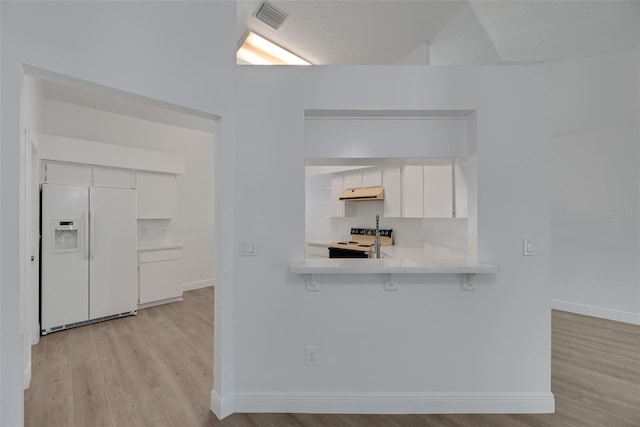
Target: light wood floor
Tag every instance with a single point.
(155, 369)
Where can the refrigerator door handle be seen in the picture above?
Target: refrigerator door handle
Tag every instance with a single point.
(92, 234)
(85, 220)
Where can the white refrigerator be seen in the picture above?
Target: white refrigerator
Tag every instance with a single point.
(89, 255)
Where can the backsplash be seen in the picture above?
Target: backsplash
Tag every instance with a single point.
(411, 232)
(451, 233)
(154, 231)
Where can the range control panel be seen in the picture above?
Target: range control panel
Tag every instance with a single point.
(370, 232)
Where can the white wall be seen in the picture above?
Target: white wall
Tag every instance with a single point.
(192, 225)
(429, 339)
(31, 125)
(596, 186)
(129, 46)
(317, 208)
(351, 136)
(263, 315)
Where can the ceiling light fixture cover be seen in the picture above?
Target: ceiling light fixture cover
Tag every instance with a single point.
(260, 51)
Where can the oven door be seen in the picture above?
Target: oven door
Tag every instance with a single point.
(346, 253)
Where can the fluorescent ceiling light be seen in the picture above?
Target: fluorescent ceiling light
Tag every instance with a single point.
(260, 51)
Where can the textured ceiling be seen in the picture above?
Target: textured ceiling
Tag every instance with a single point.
(459, 32)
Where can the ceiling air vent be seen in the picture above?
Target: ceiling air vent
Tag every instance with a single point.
(270, 15)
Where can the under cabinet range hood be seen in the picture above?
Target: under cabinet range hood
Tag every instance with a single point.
(363, 194)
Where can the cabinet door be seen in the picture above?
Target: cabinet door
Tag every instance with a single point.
(461, 198)
(67, 174)
(156, 195)
(317, 251)
(438, 191)
(371, 178)
(352, 180)
(392, 182)
(337, 206)
(158, 277)
(412, 192)
(158, 281)
(109, 177)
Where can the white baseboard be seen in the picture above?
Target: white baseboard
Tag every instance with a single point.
(154, 303)
(590, 310)
(35, 335)
(221, 407)
(189, 286)
(26, 376)
(388, 403)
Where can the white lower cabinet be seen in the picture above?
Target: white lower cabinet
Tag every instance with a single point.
(316, 250)
(158, 274)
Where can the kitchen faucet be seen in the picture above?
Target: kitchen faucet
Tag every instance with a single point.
(376, 241)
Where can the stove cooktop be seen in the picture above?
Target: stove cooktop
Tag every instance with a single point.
(362, 240)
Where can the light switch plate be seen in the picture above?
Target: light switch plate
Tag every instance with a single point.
(528, 249)
(247, 247)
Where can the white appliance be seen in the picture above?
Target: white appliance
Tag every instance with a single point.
(89, 255)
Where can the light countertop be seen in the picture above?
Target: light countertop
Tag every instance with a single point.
(389, 266)
(429, 259)
(319, 242)
(158, 246)
(428, 251)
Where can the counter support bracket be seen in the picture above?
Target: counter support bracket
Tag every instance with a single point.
(390, 282)
(312, 283)
(468, 281)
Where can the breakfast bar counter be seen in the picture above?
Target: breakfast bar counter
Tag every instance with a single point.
(431, 259)
(390, 266)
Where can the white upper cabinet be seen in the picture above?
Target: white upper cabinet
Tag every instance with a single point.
(438, 191)
(418, 191)
(156, 192)
(372, 178)
(156, 195)
(352, 180)
(392, 183)
(109, 177)
(461, 193)
(86, 175)
(412, 191)
(67, 174)
(337, 206)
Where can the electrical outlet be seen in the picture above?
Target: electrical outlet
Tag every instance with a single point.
(311, 355)
(528, 249)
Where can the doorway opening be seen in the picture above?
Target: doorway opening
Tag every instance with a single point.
(81, 134)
